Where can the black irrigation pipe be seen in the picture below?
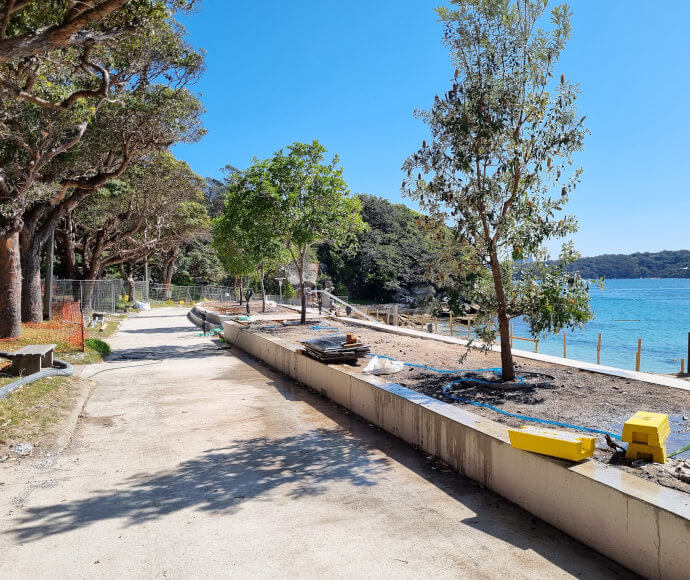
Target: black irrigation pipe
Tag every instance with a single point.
(60, 369)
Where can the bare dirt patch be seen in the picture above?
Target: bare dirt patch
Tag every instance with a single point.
(577, 397)
(234, 308)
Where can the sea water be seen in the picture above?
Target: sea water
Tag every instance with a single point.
(657, 310)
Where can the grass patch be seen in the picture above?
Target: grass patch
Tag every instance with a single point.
(32, 412)
(110, 327)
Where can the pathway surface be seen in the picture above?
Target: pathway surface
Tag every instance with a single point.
(192, 460)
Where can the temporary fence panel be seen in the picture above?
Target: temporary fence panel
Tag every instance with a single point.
(65, 329)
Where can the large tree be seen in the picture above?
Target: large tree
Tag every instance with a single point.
(156, 205)
(143, 123)
(244, 235)
(306, 200)
(52, 93)
(496, 168)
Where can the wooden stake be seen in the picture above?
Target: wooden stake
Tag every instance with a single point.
(637, 358)
(468, 329)
(682, 366)
(599, 349)
(450, 322)
(435, 325)
(565, 351)
(536, 346)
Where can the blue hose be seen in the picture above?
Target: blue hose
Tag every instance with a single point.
(324, 327)
(492, 407)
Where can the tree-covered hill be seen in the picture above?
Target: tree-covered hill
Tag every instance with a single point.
(666, 264)
(392, 256)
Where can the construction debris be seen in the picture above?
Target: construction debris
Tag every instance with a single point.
(335, 348)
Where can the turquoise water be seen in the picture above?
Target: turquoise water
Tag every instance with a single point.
(655, 310)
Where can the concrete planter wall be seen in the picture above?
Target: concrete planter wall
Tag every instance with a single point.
(640, 524)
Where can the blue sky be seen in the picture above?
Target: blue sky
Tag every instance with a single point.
(350, 74)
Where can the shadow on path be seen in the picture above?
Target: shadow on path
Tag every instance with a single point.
(218, 481)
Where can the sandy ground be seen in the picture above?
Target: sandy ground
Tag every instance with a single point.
(194, 461)
(576, 397)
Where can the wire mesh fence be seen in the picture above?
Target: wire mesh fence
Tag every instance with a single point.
(114, 295)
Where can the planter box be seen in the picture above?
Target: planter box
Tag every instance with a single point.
(641, 525)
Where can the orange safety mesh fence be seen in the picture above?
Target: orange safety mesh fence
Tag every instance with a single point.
(66, 330)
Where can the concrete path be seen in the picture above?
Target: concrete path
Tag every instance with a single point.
(193, 461)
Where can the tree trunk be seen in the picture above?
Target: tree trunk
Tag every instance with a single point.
(241, 291)
(303, 296)
(507, 366)
(128, 277)
(68, 259)
(234, 288)
(10, 286)
(263, 291)
(30, 252)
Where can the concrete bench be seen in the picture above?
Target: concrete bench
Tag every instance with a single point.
(30, 359)
(98, 318)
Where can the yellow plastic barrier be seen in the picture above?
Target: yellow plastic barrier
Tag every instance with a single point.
(655, 453)
(551, 442)
(647, 428)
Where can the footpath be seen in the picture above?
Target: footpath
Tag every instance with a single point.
(193, 460)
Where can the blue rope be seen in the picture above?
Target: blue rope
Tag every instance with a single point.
(324, 327)
(492, 407)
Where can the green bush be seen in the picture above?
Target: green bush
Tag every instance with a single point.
(289, 291)
(100, 346)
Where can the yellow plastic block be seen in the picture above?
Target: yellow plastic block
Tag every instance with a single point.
(654, 453)
(646, 428)
(551, 442)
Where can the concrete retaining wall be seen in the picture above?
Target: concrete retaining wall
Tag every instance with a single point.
(640, 524)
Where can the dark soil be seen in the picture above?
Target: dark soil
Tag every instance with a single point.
(573, 396)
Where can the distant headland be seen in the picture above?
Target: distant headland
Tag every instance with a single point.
(666, 264)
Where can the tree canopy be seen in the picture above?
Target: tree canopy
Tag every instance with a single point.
(294, 200)
(392, 254)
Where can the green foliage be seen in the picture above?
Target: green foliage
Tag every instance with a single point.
(198, 260)
(290, 202)
(243, 234)
(310, 201)
(392, 255)
(289, 291)
(100, 346)
(503, 140)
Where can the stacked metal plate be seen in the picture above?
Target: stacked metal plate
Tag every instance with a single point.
(335, 349)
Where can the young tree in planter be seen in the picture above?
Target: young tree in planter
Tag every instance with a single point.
(310, 204)
(503, 138)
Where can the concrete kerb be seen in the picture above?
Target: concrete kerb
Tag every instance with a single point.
(638, 523)
(575, 364)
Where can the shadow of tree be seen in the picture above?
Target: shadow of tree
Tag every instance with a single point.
(219, 481)
(162, 330)
(167, 351)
